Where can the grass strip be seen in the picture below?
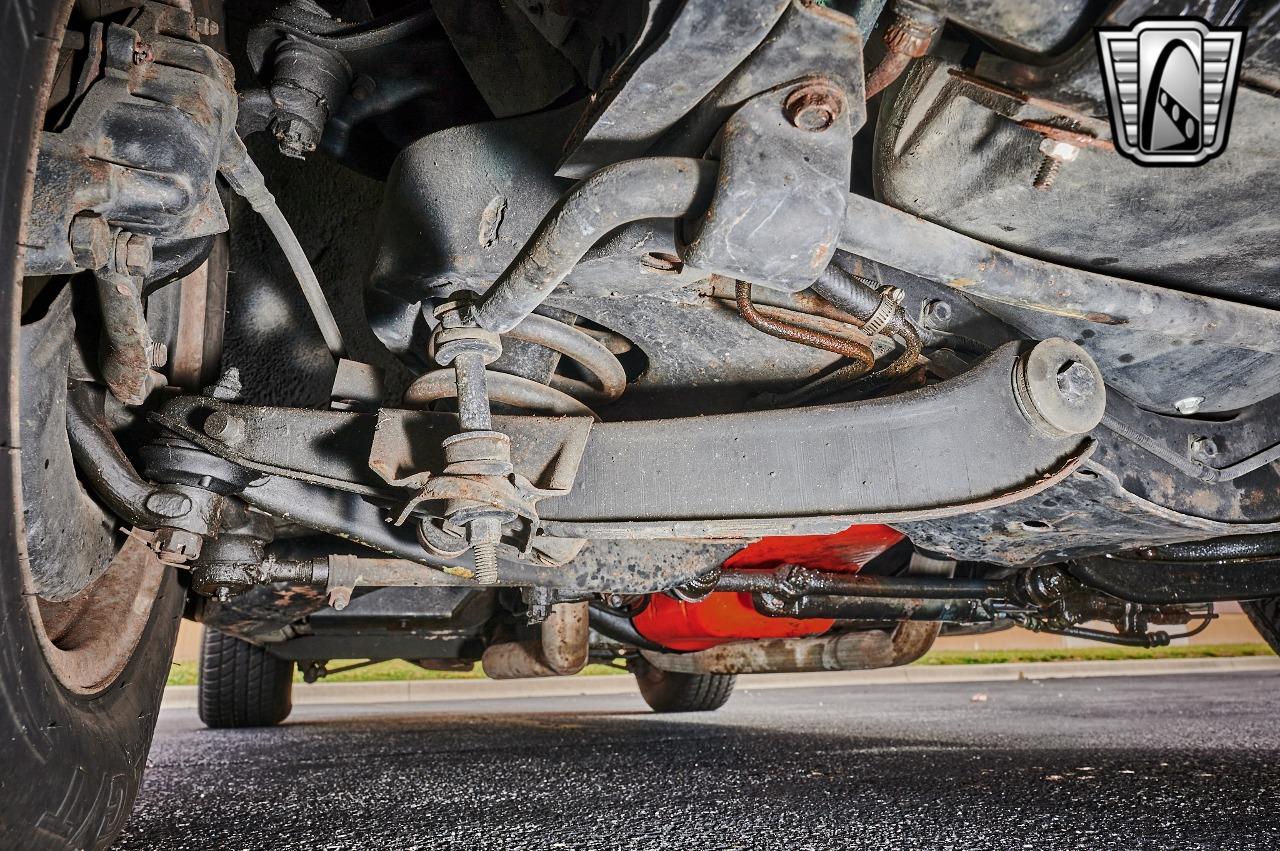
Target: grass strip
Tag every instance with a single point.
(1093, 654)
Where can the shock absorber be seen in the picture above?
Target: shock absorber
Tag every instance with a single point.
(562, 396)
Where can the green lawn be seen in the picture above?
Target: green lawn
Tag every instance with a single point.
(184, 673)
(1093, 654)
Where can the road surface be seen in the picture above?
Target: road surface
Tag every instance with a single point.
(1145, 762)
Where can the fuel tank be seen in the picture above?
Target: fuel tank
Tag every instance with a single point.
(730, 616)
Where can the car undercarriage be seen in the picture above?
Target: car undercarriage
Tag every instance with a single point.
(699, 338)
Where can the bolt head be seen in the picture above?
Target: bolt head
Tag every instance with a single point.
(896, 294)
(1076, 382)
(1059, 150)
(225, 428)
(363, 87)
(1188, 406)
(1058, 398)
(205, 26)
(814, 107)
(937, 311)
(1204, 448)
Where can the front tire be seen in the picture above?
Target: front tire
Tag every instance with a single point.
(74, 748)
(242, 685)
(82, 673)
(1265, 615)
(667, 691)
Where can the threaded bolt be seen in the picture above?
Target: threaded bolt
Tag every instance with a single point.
(1047, 174)
(1056, 152)
(486, 556)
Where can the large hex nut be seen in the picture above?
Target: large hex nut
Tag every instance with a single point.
(815, 106)
(137, 254)
(177, 546)
(90, 240)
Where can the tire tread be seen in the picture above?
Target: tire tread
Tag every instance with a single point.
(242, 685)
(1265, 615)
(667, 691)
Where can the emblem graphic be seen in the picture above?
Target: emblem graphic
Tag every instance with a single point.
(1171, 83)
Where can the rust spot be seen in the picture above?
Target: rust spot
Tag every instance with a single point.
(491, 220)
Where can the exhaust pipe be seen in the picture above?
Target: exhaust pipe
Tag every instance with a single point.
(560, 652)
(850, 651)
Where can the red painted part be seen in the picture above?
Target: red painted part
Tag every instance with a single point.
(729, 616)
(843, 552)
(723, 616)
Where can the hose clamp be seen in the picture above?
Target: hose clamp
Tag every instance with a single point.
(884, 311)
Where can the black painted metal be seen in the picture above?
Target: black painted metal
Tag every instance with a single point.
(1245, 567)
(844, 607)
(118, 157)
(799, 582)
(762, 471)
(809, 41)
(883, 455)
(654, 88)
(1011, 23)
(782, 179)
(660, 187)
(1140, 335)
(103, 462)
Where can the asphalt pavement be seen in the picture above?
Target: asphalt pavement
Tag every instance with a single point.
(1144, 762)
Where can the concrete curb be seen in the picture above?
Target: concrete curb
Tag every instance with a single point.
(431, 691)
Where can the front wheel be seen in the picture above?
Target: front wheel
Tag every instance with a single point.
(667, 691)
(80, 688)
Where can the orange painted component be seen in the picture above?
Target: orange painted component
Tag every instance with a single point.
(723, 616)
(843, 552)
(729, 616)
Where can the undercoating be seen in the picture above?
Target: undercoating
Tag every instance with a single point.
(460, 203)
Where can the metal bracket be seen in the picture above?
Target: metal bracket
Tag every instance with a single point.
(780, 197)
